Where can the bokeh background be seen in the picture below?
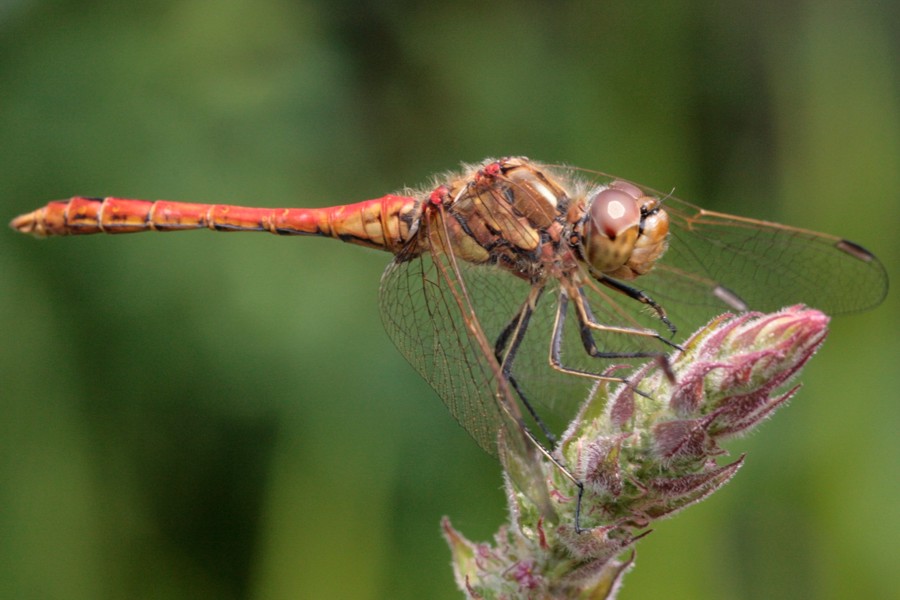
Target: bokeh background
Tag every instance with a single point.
(198, 415)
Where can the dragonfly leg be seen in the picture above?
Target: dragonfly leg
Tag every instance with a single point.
(506, 347)
(586, 318)
(640, 296)
(586, 326)
(567, 473)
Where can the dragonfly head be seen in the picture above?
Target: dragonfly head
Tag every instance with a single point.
(624, 231)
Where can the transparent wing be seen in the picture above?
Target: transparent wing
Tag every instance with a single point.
(443, 316)
(769, 265)
(446, 327)
(718, 262)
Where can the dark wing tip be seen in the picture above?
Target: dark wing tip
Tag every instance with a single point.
(879, 287)
(854, 250)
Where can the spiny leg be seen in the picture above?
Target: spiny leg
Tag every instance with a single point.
(587, 338)
(586, 325)
(640, 296)
(567, 473)
(589, 323)
(510, 339)
(507, 346)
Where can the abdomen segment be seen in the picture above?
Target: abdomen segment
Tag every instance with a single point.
(385, 223)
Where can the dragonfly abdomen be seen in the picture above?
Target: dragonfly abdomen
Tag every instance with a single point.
(385, 223)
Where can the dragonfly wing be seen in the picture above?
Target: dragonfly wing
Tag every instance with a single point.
(420, 307)
(718, 262)
(435, 317)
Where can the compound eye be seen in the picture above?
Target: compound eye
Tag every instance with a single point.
(613, 212)
(611, 229)
(626, 186)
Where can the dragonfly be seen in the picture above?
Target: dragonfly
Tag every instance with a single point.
(514, 284)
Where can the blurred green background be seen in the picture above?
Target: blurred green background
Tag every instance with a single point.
(198, 415)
